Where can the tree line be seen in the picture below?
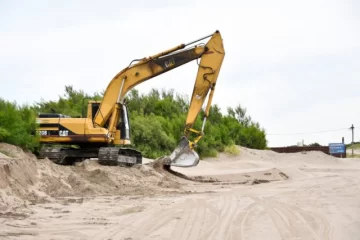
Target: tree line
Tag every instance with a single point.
(157, 122)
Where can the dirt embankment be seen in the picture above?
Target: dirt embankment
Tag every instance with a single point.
(27, 180)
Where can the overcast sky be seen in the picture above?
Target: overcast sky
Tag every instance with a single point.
(295, 66)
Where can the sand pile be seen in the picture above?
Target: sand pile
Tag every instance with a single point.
(268, 155)
(25, 179)
(252, 165)
(265, 158)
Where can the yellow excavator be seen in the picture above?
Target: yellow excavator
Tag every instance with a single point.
(105, 132)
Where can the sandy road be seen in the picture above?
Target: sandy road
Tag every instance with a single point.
(320, 200)
(325, 206)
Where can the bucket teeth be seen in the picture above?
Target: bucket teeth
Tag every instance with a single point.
(182, 156)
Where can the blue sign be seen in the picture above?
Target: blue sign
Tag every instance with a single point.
(336, 148)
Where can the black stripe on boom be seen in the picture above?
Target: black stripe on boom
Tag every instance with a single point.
(49, 125)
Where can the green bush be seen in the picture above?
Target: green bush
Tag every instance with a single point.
(232, 150)
(148, 135)
(157, 121)
(18, 125)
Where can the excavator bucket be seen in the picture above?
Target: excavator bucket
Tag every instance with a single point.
(183, 155)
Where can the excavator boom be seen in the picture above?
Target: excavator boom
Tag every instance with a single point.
(211, 55)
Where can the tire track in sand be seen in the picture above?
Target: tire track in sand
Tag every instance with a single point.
(312, 222)
(222, 227)
(187, 223)
(134, 223)
(186, 220)
(192, 219)
(293, 222)
(249, 210)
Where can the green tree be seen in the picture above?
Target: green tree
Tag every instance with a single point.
(18, 125)
(157, 121)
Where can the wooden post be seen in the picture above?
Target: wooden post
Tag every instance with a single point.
(352, 130)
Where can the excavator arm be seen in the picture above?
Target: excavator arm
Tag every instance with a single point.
(208, 72)
(211, 55)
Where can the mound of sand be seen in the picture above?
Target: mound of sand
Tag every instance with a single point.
(264, 165)
(27, 180)
(271, 157)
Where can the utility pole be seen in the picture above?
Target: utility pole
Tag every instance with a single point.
(352, 130)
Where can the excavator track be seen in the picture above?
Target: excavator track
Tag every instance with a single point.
(119, 156)
(111, 156)
(52, 153)
(67, 156)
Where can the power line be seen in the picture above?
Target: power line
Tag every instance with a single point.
(334, 130)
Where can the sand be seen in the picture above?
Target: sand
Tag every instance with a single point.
(25, 180)
(349, 151)
(256, 195)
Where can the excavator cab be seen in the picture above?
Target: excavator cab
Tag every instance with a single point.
(93, 107)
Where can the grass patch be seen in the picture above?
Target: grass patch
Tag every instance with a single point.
(232, 150)
(355, 146)
(210, 153)
(353, 155)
